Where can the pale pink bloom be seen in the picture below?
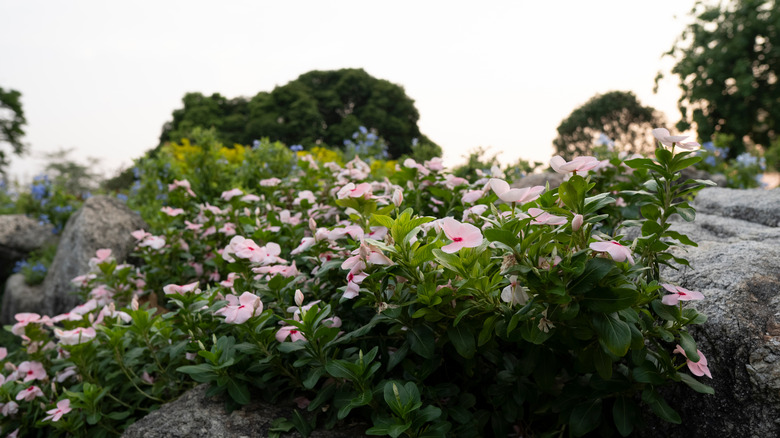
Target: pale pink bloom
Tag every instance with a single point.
(354, 231)
(620, 202)
(63, 407)
(242, 248)
(398, 197)
(10, 408)
(209, 231)
(101, 256)
(23, 319)
(154, 242)
(181, 290)
(65, 374)
(578, 164)
(76, 336)
(13, 434)
(679, 294)
(240, 309)
(249, 198)
(183, 184)
(270, 182)
(147, 378)
(472, 196)
(87, 307)
(377, 233)
(541, 217)
(354, 191)
(29, 394)
(230, 194)
(110, 311)
(697, 368)
(190, 356)
(306, 243)
(3, 353)
(514, 293)
(140, 234)
(231, 278)
(298, 298)
(668, 140)
(507, 194)
(307, 195)
(283, 270)
(31, 371)
(476, 210)
(422, 170)
(170, 211)
(216, 211)
(618, 252)
(289, 331)
(435, 163)
(83, 280)
(192, 226)
(462, 235)
(576, 222)
(101, 294)
(229, 229)
(452, 181)
(286, 218)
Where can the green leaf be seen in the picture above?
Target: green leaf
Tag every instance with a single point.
(238, 391)
(660, 407)
(687, 213)
(613, 333)
(668, 313)
(682, 238)
(385, 221)
(625, 414)
(695, 384)
(506, 237)
(422, 340)
(650, 212)
(647, 373)
(585, 417)
(689, 345)
(595, 203)
(463, 340)
(486, 333)
(449, 261)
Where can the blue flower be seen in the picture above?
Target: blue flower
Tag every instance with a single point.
(21, 264)
(746, 160)
(710, 160)
(363, 130)
(39, 267)
(255, 144)
(296, 148)
(122, 197)
(710, 146)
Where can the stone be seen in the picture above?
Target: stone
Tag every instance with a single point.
(539, 179)
(193, 415)
(102, 222)
(19, 297)
(694, 173)
(19, 236)
(737, 267)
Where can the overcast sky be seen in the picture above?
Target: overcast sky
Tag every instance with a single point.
(102, 77)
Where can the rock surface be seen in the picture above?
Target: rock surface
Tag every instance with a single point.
(19, 297)
(20, 235)
(102, 222)
(539, 179)
(194, 415)
(737, 268)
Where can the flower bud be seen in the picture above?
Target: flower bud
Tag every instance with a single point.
(298, 297)
(398, 197)
(312, 225)
(134, 302)
(576, 223)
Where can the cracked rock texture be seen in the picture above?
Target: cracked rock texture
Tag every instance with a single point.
(737, 268)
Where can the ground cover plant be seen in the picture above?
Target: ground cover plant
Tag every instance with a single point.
(421, 303)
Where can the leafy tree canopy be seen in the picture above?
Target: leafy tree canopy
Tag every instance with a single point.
(11, 124)
(728, 62)
(317, 108)
(618, 115)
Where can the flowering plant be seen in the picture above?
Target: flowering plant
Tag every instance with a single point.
(422, 304)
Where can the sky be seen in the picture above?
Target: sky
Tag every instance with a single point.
(103, 77)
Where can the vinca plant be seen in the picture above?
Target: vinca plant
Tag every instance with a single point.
(421, 305)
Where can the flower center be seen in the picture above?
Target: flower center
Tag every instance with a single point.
(457, 239)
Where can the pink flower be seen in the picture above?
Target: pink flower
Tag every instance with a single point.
(154, 242)
(230, 194)
(289, 331)
(354, 191)
(578, 164)
(250, 198)
(10, 408)
(697, 368)
(63, 407)
(270, 182)
(31, 371)
(507, 194)
(576, 222)
(101, 256)
(462, 235)
(146, 377)
(170, 211)
(22, 320)
(398, 197)
(618, 252)
(176, 289)
(3, 353)
(679, 294)
(140, 234)
(240, 309)
(514, 293)
(76, 336)
(183, 184)
(541, 217)
(229, 229)
(472, 196)
(663, 136)
(29, 394)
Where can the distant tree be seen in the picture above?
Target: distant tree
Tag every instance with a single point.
(728, 62)
(73, 177)
(618, 115)
(317, 108)
(11, 125)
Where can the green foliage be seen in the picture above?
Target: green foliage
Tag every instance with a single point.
(728, 62)
(317, 108)
(12, 123)
(616, 114)
(37, 263)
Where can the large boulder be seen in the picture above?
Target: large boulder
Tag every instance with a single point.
(102, 222)
(19, 297)
(193, 415)
(539, 179)
(737, 267)
(19, 236)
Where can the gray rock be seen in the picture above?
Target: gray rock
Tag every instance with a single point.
(753, 205)
(194, 415)
(539, 179)
(20, 235)
(102, 222)
(737, 268)
(19, 297)
(694, 173)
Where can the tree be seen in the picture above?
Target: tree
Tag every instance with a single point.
(317, 108)
(11, 122)
(728, 62)
(618, 115)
